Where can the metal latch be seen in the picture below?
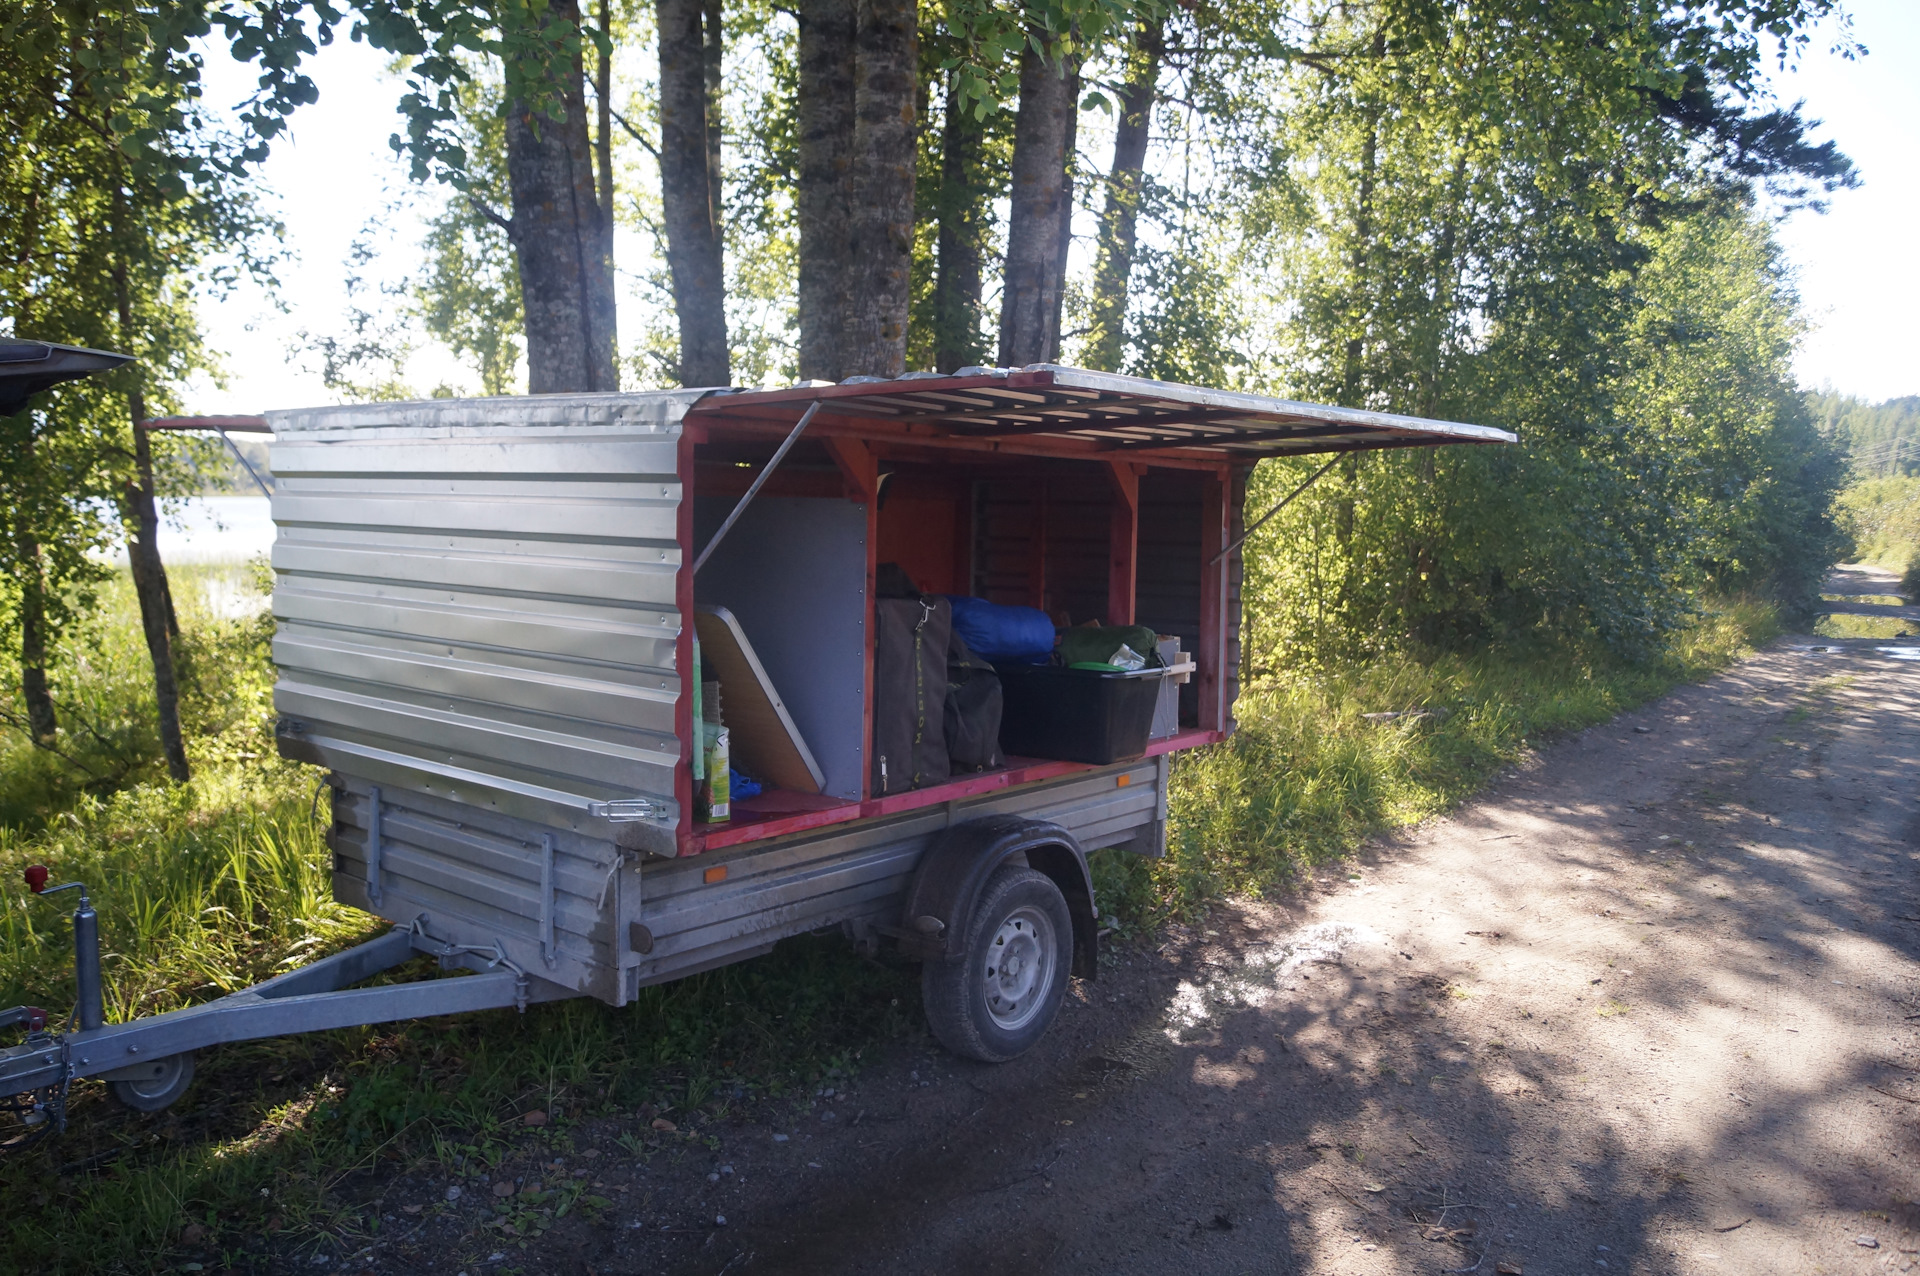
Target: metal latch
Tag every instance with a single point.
(623, 810)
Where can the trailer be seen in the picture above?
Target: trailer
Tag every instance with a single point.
(494, 618)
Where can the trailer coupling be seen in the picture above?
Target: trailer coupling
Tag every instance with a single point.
(149, 1062)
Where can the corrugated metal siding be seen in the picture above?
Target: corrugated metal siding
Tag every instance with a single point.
(475, 598)
(474, 603)
(482, 879)
(780, 888)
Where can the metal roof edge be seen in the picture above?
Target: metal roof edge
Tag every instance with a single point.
(1119, 383)
(504, 409)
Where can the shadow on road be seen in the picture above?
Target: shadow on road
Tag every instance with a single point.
(1644, 1007)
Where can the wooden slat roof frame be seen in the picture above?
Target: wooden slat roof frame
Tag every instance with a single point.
(1072, 413)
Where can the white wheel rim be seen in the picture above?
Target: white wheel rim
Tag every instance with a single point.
(1019, 968)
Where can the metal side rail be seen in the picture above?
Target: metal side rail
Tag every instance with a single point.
(311, 999)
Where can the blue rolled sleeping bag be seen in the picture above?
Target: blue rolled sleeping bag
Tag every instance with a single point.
(1002, 634)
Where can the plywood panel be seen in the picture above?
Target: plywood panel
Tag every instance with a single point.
(761, 733)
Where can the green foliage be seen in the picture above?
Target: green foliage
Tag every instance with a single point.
(108, 740)
(1646, 366)
(1305, 778)
(1189, 329)
(469, 296)
(962, 208)
(123, 211)
(1679, 461)
(1881, 516)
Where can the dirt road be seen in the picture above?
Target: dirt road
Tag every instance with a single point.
(1651, 1004)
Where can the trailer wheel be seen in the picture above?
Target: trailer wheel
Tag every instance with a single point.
(168, 1080)
(999, 998)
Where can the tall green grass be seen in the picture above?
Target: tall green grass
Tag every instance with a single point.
(202, 888)
(1306, 778)
(109, 738)
(212, 886)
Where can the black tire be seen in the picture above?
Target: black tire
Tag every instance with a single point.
(161, 1089)
(999, 999)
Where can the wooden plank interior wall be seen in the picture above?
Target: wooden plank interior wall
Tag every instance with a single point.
(1123, 534)
(1078, 518)
(1167, 583)
(1006, 517)
(1046, 544)
(919, 532)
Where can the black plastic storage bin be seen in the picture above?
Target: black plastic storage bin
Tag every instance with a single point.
(1076, 715)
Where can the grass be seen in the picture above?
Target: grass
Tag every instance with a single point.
(212, 886)
(1863, 627)
(1306, 778)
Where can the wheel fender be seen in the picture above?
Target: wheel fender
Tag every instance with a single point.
(947, 885)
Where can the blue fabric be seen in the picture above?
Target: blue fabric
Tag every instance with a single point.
(739, 787)
(993, 632)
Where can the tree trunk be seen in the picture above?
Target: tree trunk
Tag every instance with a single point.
(561, 237)
(688, 136)
(603, 116)
(962, 214)
(1040, 219)
(713, 50)
(825, 122)
(1350, 378)
(1119, 222)
(1446, 283)
(140, 513)
(1362, 247)
(880, 286)
(41, 721)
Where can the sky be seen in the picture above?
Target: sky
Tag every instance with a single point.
(1857, 266)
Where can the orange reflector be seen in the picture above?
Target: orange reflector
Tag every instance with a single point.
(1122, 781)
(718, 873)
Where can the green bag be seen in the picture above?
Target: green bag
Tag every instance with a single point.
(1097, 643)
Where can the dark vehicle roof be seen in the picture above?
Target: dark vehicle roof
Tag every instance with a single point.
(1091, 413)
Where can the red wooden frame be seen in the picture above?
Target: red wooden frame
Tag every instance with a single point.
(857, 446)
(1216, 528)
(831, 811)
(1123, 539)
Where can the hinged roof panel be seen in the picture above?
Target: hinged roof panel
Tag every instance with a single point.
(1100, 412)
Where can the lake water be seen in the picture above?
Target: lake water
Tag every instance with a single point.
(216, 529)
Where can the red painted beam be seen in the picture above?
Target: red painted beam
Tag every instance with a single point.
(1123, 536)
(1216, 529)
(231, 424)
